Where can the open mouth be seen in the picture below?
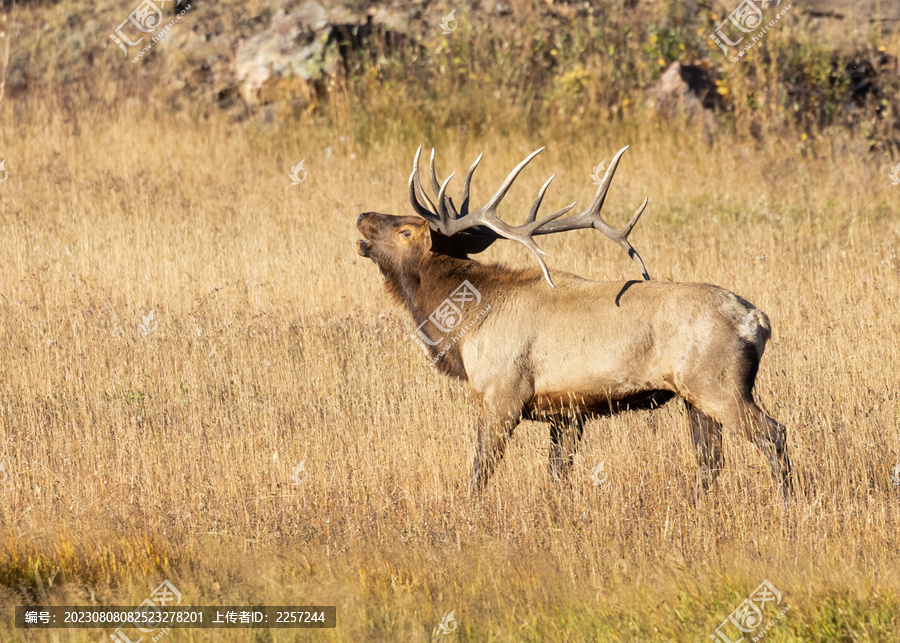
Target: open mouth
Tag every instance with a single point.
(363, 246)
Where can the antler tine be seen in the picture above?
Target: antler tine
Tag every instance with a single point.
(442, 202)
(416, 191)
(591, 218)
(537, 202)
(619, 236)
(491, 206)
(627, 244)
(523, 234)
(435, 184)
(421, 210)
(464, 204)
(597, 204)
(586, 218)
(436, 187)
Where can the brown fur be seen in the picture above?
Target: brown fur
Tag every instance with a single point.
(584, 347)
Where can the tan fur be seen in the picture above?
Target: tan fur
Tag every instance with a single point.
(584, 347)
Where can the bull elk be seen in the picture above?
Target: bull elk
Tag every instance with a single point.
(569, 348)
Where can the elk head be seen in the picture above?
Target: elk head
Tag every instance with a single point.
(397, 243)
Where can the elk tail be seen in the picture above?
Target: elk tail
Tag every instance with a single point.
(756, 329)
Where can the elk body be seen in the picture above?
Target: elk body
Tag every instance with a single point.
(560, 351)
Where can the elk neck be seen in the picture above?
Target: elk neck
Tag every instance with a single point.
(423, 285)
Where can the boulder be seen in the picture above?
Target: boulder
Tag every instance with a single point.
(689, 92)
(286, 59)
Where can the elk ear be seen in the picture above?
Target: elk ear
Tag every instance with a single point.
(425, 234)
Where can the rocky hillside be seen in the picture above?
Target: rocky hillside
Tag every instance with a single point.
(836, 66)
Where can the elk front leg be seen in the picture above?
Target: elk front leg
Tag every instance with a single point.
(565, 434)
(707, 436)
(493, 433)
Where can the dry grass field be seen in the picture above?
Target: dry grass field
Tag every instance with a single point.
(134, 456)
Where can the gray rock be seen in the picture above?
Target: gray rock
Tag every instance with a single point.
(287, 58)
(686, 91)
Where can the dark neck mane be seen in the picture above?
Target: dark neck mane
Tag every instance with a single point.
(424, 287)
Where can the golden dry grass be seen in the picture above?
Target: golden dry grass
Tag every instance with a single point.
(132, 459)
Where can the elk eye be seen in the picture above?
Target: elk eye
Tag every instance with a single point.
(406, 234)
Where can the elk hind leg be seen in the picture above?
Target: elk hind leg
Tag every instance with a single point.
(770, 437)
(766, 434)
(565, 434)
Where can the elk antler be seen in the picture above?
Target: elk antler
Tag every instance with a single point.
(591, 218)
(473, 232)
(449, 222)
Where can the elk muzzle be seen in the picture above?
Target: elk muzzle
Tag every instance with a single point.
(363, 224)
